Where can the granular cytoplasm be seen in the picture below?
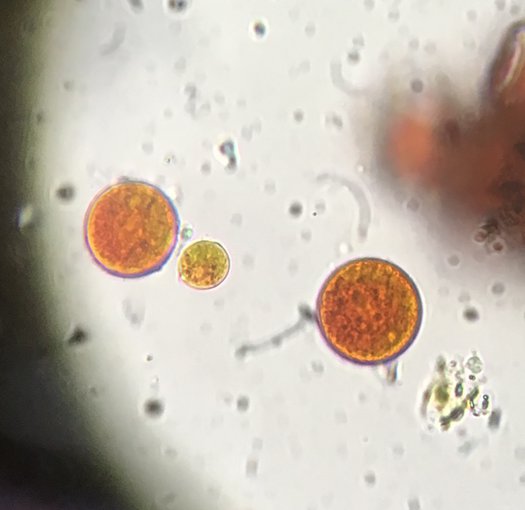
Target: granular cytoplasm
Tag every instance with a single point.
(369, 311)
(131, 229)
(204, 264)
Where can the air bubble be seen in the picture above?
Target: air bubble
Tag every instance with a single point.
(474, 364)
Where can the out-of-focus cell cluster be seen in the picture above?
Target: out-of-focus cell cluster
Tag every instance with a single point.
(456, 390)
(473, 159)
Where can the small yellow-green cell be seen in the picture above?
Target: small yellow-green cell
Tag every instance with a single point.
(204, 264)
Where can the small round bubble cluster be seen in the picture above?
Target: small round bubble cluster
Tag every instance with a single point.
(456, 390)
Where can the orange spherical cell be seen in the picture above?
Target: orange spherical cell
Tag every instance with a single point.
(131, 229)
(369, 311)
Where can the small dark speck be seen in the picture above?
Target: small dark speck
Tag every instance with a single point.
(370, 478)
(40, 117)
(416, 86)
(413, 504)
(154, 407)
(298, 116)
(317, 367)
(306, 313)
(66, 192)
(68, 85)
(259, 29)
(243, 403)
(295, 209)
(520, 148)
(498, 288)
(77, 336)
(252, 466)
(147, 147)
(353, 57)
(178, 5)
(413, 204)
(494, 420)
(471, 314)
(136, 5)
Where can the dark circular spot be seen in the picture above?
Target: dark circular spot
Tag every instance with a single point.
(498, 246)
(66, 192)
(453, 260)
(295, 209)
(353, 57)
(370, 478)
(298, 116)
(178, 5)
(243, 403)
(416, 86)
(498, 288)
(471, 314)
(259, 29)
(520, 149)
(413, 204)
(77, 336)
(306, 313)
(154, 407)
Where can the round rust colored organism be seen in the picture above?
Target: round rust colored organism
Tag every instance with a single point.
(369, 311)
(131, 229)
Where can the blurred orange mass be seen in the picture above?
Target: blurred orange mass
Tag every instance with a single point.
(477, 160)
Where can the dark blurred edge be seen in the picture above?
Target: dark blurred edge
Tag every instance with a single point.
(32, 475)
